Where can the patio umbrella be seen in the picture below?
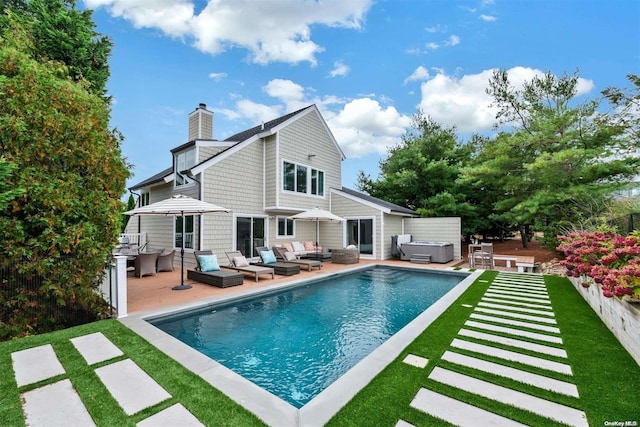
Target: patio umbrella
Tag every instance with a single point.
(318, 215)
(178, 205)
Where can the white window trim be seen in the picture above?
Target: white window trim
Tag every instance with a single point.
(281, 236)
(189, 182)
(309, 174)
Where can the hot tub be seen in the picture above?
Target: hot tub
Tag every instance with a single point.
(440, 252)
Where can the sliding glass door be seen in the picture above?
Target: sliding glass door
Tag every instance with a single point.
(360, 233)
(250, 233)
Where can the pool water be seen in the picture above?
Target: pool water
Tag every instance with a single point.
(296, 342)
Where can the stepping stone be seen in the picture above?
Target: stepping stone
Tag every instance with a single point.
(512, 356)
(467, 305)
(516, 298)
(551, 329)
(403, 423)
(456, 412)
(35, 364)
(520, 309)
(416, 361)
(525, 280)
(555, 411)
(96, 348)
(534, 278)
(133, 388)
(519, 294)
(518, 303)
(176, 415)
(55, 405)
(521, 289)
(511, 284)
(512, 331)
(540, 381)
(516, 315)
(526, 345)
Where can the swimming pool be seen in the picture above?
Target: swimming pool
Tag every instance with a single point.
(296, 342)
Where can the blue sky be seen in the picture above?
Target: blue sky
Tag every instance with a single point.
(367, 65)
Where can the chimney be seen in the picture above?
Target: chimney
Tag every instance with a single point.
(201, 123)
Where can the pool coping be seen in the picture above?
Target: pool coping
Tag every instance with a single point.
(269, 408)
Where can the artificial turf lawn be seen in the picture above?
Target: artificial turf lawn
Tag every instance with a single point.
(605, 374)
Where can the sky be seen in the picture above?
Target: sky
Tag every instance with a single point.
(368, 65)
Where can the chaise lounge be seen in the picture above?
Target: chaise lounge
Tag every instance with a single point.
(239, 263)
(284, 255)
(208, 271)
(268, 259)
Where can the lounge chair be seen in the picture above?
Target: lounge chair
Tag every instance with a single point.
(253, 269)
(221, 279)
(280, 267)
(145, 264)
(284, 255)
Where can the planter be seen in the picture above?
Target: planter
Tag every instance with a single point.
(622, 317)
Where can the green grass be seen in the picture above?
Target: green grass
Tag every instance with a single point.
(606, 376)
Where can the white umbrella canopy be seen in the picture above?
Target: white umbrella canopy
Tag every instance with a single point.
(318, 215)
(178, 205)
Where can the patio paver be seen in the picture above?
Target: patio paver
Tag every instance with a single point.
(515, 303)
(514, 308)
(55, 405)
(526, 345)
(35, 364)
(96, 348)
(176, 415)
(513, 331)
(515, 297)
(516, 315)
(545, 328)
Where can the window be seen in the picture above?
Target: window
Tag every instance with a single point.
(183, 161)
(250, 233)
(188, 232)
(302, 179)
(285, 227)
(144, 199)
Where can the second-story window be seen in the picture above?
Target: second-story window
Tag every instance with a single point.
(184, 160)
(302, 179)
(144, 199)
(285, 227)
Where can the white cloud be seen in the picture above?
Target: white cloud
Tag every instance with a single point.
(436, 29)
(217, 76)
(488, 18)
(419, 74)
(269, 30)
(463, 103)
(432, 46)
(453, 40)
(339, 69)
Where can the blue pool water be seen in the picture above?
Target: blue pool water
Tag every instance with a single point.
(296, 342)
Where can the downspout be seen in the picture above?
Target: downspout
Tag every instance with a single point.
(138, 205)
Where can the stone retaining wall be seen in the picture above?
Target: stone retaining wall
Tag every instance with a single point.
(621, 317)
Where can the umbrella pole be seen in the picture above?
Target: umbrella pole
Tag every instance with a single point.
(182, 286)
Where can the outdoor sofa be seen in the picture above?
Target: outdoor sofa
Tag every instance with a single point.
(218, 278)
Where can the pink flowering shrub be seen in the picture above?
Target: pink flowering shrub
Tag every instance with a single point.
(611, 260)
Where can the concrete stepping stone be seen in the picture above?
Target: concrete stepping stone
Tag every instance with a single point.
(533, 278)
(518, 280)
(545, 408)
(516, 315)
(402, 423)
(540, 381)
(520, 285)
(176, 415)
(96, 348)
(55, 405)
(525, 345)
(516, 298)
(517, 303)
(513, 356)
(513, 331)
(519, 309)
(35, 364)
(551, 329)
(519, 294)
(518, 288)
(456, 412)
(417, 361)
(132, 388)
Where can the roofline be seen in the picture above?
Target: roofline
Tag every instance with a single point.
(371, 204)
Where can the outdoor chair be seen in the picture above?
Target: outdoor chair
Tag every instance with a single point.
(218, 278)
(481, 255)
(281, 268)
(165, 261)
(234, 263)
(284, 255)
(145, 264)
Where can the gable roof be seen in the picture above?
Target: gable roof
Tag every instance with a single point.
(160, 176)
(266, 126)
(383, 205)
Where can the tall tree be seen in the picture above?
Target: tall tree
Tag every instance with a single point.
(555, 154)
(70, 164)
(421, 172)
(62, 33)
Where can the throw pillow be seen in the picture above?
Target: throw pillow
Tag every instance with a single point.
(297, 247)
(208, 262)
(287, 246)
(351, 247)
(308, 246)
(240, 261)
(289, 256)
(268, 257)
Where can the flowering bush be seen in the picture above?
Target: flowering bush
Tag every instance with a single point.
(611, 260)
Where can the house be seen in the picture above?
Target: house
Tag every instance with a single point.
(264, 175)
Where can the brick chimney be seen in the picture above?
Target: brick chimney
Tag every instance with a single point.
(201, 123)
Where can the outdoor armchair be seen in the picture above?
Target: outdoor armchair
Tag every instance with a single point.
(145, 264)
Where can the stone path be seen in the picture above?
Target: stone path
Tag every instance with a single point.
(513, 322)
(56, 403)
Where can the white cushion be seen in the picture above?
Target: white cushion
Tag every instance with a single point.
(289, 256)
(240, 261)
(297, 246)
